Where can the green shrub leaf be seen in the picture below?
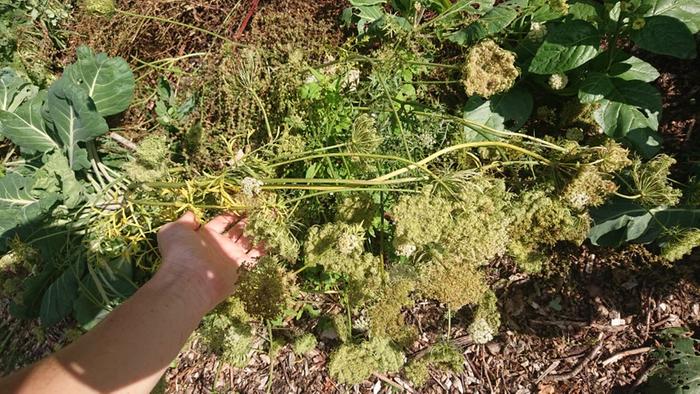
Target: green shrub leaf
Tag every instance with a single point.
(624, 221)
(636, 93)
(107, 80)
(686, 11)
(509, 110)
(567, 46)
(627, 123)
(73, 117)
(634, 68)
(494, 21)
(25, 126)
(666, 36)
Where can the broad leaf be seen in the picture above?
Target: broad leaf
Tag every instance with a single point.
(72, 191)
(634, 92)
(74, 119)
(504, 111)
(13, 90)
(686, 11)
(58, 299)
(585, 10)
(595, 87)
(566, 46)
(634, 68)
(25, 127)
(107, 80)
(23, 200)
(666, 36)
(493, 22)
(622, 221)
(626, 123)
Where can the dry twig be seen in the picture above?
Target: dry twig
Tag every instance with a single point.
(580, 365)
(619, 356)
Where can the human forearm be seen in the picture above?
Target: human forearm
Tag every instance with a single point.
(130, 349)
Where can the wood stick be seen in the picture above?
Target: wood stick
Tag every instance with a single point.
(619, 356)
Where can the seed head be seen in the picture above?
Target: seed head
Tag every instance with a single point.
(680, 243)
(480, 331)
(489, 70)
(638, 23)
(353, 364)
(251, 187)
(537, 31)
(558, 81)
(651, 181)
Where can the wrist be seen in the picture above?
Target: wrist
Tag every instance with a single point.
(192, 287)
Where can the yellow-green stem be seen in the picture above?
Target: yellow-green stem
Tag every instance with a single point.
(458, 147)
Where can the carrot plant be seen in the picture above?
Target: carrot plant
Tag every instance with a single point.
(440, 138)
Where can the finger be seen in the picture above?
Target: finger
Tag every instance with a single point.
(190, 220)
(236, 231)
(222, 222)
(256, 252)
(244, 243)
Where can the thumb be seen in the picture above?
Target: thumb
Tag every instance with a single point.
(190, 219)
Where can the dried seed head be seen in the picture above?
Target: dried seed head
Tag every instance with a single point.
(651, 182)
(680, 243)
(353, 364)
(489, 70)
(589, 188)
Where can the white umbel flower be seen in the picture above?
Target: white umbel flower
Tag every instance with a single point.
(251, 187)
(537, 31)
(352, 79)
(349, 243)
(480, 331)
(558, 81)
(406, 250)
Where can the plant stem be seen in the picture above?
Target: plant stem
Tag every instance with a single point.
(491, 130)
(342, 181)
(396, 116)
(177, 23)
(628, 197)
(272, 361)
(348, 190)
(463, 146)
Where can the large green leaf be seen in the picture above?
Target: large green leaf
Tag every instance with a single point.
(25, 127)
(622, 221)
(634, 68)
(74, 119)
(627, 123)
(72, 191)
(567, 46)
(633, 92)
(58, 299)
(666, 36)
(23, 200)
(107, 80)
(686, 11)
(492, 22)
(509, 110)
(13, 90)
(677, 370)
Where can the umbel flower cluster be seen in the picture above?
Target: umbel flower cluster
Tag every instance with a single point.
(489, 70)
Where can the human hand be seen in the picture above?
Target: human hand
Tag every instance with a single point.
(205, 259)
